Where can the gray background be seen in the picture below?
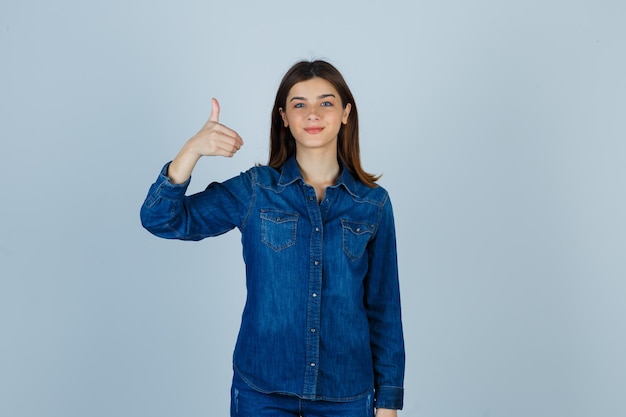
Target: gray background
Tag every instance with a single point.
(499, 127)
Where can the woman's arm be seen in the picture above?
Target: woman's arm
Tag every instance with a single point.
(167, 212)
(382, 303)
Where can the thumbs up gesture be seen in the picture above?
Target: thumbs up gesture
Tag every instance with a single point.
(216, 139)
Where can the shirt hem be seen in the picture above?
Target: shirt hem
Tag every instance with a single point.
(302, 396)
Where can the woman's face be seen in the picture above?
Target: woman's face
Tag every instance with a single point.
(314, 114)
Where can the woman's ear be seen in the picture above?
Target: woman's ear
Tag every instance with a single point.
(284, 116)
(346, 113)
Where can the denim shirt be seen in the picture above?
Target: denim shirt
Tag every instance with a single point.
(322, 315)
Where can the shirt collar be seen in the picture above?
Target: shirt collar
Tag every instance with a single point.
(290, 172)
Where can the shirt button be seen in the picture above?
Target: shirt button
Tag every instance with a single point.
(310, 198)
(316, 263)
(317, 229)
(358, 229)
(314, 295)
(313, 364)
(312, 330)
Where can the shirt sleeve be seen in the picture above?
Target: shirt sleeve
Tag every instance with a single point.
(167, 212)
(382, 301)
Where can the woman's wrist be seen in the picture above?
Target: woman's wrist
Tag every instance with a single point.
(386, 412)
(182, 166)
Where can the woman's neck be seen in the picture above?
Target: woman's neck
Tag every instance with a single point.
(320, 169)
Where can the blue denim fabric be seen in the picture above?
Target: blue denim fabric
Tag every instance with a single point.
(322, 317)
(245, 401)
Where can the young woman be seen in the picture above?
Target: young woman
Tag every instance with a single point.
(321, 331)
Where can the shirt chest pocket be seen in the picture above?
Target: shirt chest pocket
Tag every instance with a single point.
(278, 229)
(356, 236)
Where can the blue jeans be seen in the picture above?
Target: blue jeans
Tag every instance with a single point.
(248, 402)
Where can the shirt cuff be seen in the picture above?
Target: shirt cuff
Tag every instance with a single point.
(390, 397)
(167, 189)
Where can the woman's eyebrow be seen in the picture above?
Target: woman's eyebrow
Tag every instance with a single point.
(323, 96)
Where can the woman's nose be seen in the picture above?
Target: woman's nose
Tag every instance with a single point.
(313, 114)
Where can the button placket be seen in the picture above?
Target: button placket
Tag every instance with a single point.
(315, 287)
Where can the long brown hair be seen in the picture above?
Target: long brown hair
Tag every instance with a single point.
(282, 143)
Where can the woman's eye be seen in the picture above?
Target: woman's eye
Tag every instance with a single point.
(327, 104)
(298, 105)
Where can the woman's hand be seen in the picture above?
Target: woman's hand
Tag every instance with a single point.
(385, 412)
(214, 139)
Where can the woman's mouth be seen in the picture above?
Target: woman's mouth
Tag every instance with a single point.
(313, 130)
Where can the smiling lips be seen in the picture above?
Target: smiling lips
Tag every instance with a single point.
(313, 130)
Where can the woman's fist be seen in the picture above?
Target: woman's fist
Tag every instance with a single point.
(214, 138)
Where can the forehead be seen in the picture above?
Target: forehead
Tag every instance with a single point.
(311, 89)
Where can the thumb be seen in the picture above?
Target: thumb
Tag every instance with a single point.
(215, 111)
